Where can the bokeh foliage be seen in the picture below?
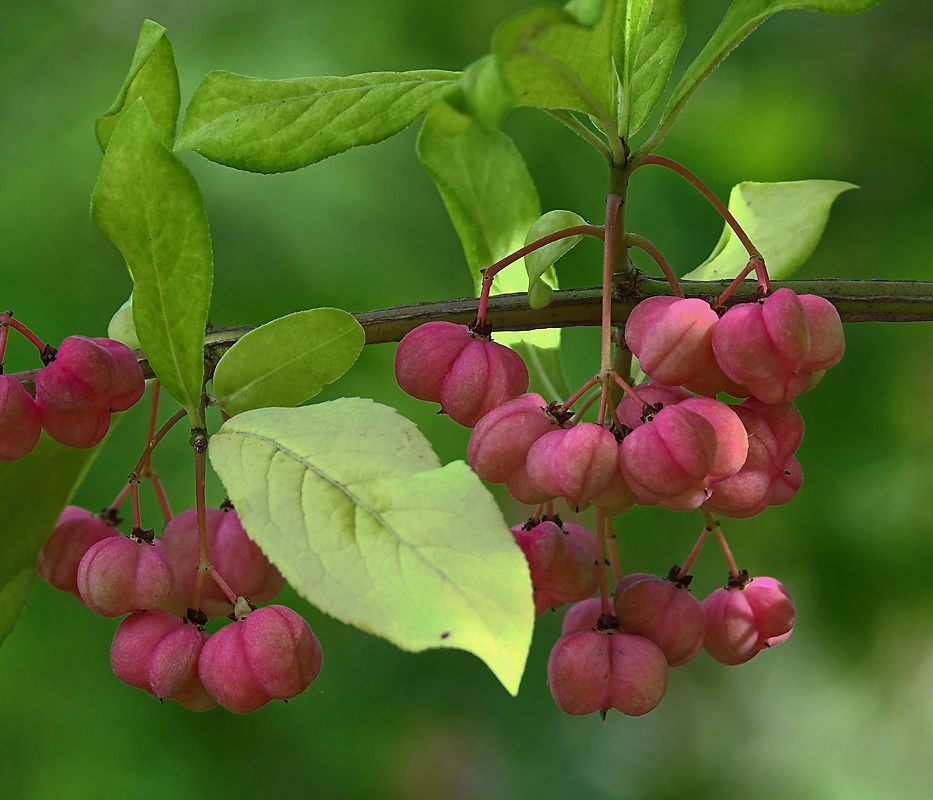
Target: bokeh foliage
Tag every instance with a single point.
(843, 710)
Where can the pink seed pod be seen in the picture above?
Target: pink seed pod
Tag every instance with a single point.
(731, 437)
(128, 383)
(663, 612)
(81, 429)
(631, 411)
(118, 575)
(72, 536)
(562, 562)
(541, 458)
(270, 655)
(742, 621)
(79, 379)
(179, 542)
(467, 374)
(20, 420)
(583, 615)
(586, 460)
(597, 670)
(241, 563)
(672, 338)
(158, 652)
(827, 340)
(500, 441)
(669, 459)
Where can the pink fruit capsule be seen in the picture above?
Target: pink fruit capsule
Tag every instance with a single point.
(20, 420)
(72, 536)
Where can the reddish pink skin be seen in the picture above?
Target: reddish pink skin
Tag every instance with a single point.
(81, 429)
(128, 384)
(827, 341)
(425, 356)
(587, 459)
(20, 420)
(484, 376)
(583, 615)
(79, 379)
(180, 543)
(665, 614)
(118, 576)
(630, 410)
(594, 671)
(241, 563)
(72, 536)
(731, 437)
(158, 652)
(740, 623)
(501, 440)
(669, 460)
(542, 456)
(672, 339)
(272, 654)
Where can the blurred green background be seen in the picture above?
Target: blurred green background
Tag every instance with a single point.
(843, 710)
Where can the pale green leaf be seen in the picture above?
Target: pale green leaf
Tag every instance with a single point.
(33, 492)
(740, 19)
(538, 264)
(152, 77)
(586, 51)
(122, 328)
(276, 126)
(149, 205)
(784, 221)
(288, 360)
(345, 497)
(492, 202)
(653, 32)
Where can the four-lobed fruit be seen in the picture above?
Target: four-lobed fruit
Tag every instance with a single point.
(270, 655)
(73, 535)
(20, 420)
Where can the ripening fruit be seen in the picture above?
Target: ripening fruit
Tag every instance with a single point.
(128, 384)
(79, 379)
(80, 429)
(583, 615)
(119, 575)
(158, 652)
(742, 621)
(469, 375)
(20, 420)
(662, 611)
(72, 536)
(597, 670)
(270, 655)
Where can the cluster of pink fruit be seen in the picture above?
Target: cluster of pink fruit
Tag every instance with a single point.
(664, 445)
(162, 647)
(621, 660)
(669, 442)
(81, 384)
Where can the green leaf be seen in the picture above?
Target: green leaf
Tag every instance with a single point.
(288, 360)
(122, 328)
(651, 35)
(740, 19)
(276, 126)
(559, 35)
(483, 92)
(784, 221)
(539, 264)
(492, 202)
(152, 77)
(347, 499)
(33, 492)
(149, 205)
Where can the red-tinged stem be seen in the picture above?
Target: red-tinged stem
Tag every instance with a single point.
(224, 586)
(539, 510)
(634, 240)
(603, 403)
(124, 493)
(151, 425)
(601, 550)
(134, 489)
(713, 524)
(752, 264)
(585, 405)
(696, 550)
(581, 391)
(613, 204)
(7, 317)
(4, 334)
(178, 415)
(753, 252)
(199, 443)
(613, 551)
(489, 273)
(160, 496)
(628, 389)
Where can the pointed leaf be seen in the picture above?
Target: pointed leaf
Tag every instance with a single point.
(149, 205)
(345, 497)
(653, 32)
(539, 264)
(276, 126)
(740, 19)
(560, 35)
(33, 492)
(154, 78)
(784, 221)
(492, 202)
(287, 361)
